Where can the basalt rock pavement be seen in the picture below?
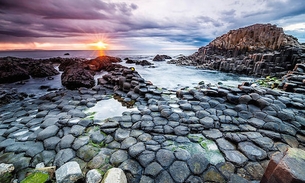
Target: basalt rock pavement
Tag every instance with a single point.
(202, 134)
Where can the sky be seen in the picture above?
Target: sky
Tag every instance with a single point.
(137, 24)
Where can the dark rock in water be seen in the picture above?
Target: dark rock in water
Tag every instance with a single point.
(101, 62)
(128, 61)
(161, 57)
(76, 77)
(42, 87)
(67, 54)
(10, 71)
(144, 62)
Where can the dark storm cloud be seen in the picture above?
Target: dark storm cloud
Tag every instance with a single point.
(66, 18)
(286, 8)
(37, 18)
(26, 20)
(262, 12)
(77, 9)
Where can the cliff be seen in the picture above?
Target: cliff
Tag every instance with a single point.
(259, 50)
(254, 38)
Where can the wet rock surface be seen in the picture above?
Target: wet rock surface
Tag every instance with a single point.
(194, 134)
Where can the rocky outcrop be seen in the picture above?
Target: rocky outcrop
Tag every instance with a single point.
(260, 50)
(17, 69)
(254, 38)
(12, 72)
(138, 62)
(161, 57)
(79, 72)
(101, 62)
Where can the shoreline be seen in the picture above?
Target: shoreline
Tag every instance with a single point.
(162, 137)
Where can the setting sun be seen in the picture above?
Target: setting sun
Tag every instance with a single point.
(101, 45)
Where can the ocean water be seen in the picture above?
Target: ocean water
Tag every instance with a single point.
(162, 74)
(91, 53)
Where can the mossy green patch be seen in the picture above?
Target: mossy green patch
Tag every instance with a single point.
(97, 145)
(270, 82)
(90, 115)
(200, 145)
(6, 177)
(36, 177)
(87, 152)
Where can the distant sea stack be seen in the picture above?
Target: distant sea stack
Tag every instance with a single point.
(258, 50)
(254, 38)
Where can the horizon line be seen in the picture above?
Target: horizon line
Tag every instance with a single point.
(180, 49)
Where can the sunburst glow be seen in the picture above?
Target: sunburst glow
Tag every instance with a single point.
(101, 45)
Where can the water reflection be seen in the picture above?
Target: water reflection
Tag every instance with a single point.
(175, 77)
(109, 108)
(125, 102)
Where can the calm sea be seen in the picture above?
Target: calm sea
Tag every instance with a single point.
(162, 75)
(92, 53)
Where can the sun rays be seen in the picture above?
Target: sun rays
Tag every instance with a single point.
(101, 45)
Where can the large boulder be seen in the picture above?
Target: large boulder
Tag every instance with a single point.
(69, 173)
(286, 168)
(76, 77)
(115, 175)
